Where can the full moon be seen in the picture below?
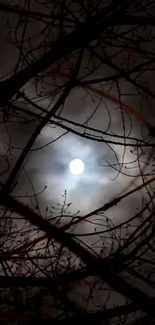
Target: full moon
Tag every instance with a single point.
(76, 166)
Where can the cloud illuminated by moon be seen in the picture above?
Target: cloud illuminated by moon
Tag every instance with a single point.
(76, 166)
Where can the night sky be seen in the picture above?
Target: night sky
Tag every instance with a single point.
(110, 168)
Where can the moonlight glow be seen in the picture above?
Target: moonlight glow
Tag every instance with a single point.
(76, 166)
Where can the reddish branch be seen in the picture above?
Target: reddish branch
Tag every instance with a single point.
(96, 265)
(104, 208)
(108, 96)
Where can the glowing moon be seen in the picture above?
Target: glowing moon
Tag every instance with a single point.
(76, 166)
